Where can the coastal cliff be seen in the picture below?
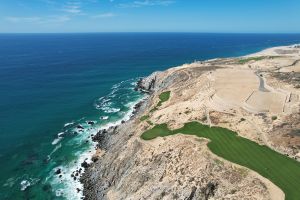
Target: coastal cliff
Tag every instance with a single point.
(256, 96)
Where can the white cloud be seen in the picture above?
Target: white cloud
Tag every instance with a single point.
(72, 7)
(39, 20)
(104, 15)
(142, 3)
(22, 19)
(57, 19)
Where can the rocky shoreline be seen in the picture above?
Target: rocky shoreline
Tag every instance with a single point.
(103, 137)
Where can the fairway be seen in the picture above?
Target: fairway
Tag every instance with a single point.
(281, 170)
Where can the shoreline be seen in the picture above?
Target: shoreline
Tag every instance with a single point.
(104, 132)
(70, 175)
(145, 86)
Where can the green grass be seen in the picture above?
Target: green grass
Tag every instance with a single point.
(281, 170)
(145, 117)
(163, 97)
(245, 60)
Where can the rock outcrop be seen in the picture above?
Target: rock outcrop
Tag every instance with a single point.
(147, 84)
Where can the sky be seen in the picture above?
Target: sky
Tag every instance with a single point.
(218, 16)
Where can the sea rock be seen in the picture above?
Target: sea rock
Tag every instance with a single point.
(79, 126)
(91, 123)
(85, 164)
(147, 84)
(137, 108)
(58, 171)
(99, 136)
(95, 158)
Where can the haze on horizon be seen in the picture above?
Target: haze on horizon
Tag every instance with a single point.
(241, 16)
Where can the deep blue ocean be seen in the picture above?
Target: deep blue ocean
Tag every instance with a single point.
(51, 83)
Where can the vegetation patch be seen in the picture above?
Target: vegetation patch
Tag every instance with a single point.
(204, 118)
(274, 118)
(149, 122)
(187, 112)
(219, 162)
(245, 60)
(281, 170)
(163, 97)
(242, 171)
(153, 109)
(242, 119)
(145, 117)
(258, 58)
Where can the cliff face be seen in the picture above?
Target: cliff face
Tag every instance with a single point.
(147, 84)
(180, 166)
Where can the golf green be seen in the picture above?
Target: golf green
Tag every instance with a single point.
(281, 170)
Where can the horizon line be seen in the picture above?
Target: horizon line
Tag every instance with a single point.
(116, 32)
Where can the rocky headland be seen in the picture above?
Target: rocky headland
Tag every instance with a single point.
(256, 96)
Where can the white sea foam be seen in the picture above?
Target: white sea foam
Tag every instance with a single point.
(58, 139)
(60, 134)
(133, 83)
(70, 185)
(65, 185)
(53, 151)
(106, 100)
(68, 124)
(24, 185)
(59, 192)
(110, 110)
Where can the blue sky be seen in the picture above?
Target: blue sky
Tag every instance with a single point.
(246, 16)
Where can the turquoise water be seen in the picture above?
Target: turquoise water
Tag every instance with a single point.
(51, 83)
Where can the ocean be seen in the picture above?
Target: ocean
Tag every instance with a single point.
(51, 85)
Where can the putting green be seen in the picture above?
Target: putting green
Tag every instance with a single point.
(281, 170)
